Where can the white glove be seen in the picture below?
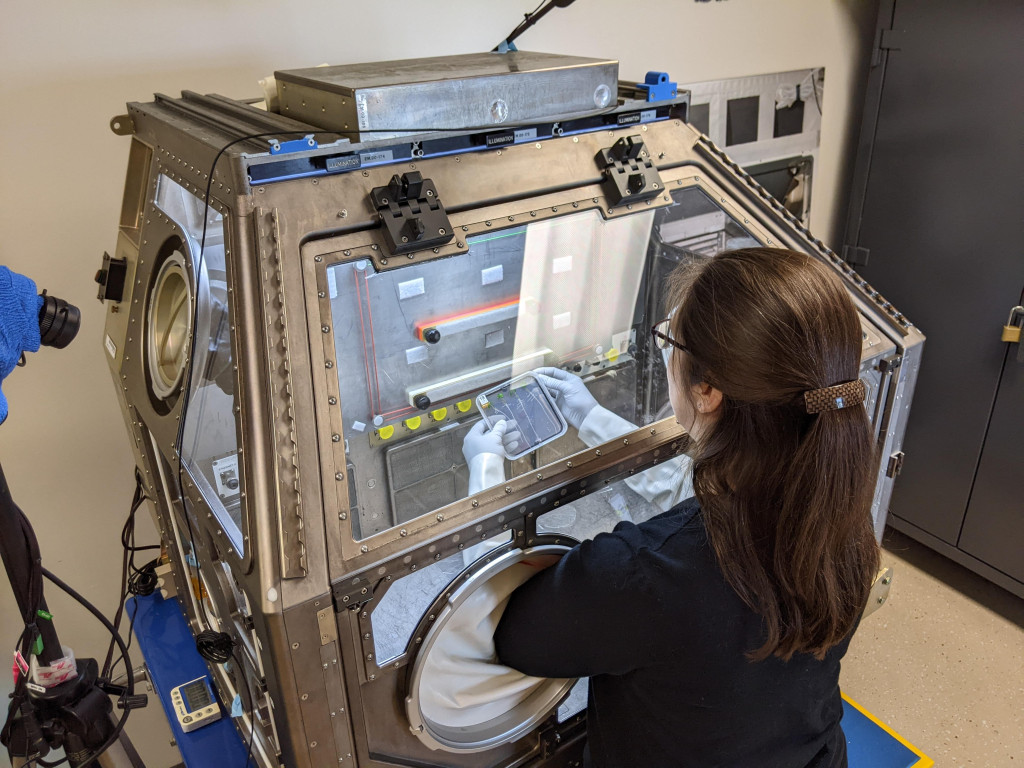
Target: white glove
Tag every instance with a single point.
(571, 395)
(485, 454)
(479, 440)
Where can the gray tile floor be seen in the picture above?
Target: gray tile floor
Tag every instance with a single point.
(942, 662)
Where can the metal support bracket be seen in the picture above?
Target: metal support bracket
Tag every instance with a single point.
(412, 214)
(629, 174)
(327, 625)
(895, 465)
(879, 591)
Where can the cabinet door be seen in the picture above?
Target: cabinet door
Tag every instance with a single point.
(941, 217)
(994, 527)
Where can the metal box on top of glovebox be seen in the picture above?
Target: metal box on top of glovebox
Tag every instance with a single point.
(379, 100)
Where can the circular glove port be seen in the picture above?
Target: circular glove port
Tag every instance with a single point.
(461, 698)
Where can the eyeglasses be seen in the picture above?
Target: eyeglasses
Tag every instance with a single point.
(661, 338)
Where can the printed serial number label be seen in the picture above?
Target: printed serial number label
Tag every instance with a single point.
(111, 348)
(383, 156)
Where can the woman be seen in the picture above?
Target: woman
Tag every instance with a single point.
(712, 633)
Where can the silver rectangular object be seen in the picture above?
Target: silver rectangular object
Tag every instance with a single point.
(377, 100)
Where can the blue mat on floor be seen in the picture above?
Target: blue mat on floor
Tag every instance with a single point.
(870, 743)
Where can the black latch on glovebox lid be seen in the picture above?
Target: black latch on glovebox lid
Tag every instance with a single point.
(629, 174)
(411, 213)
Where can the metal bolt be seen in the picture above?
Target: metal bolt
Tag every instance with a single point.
(325, 328)
(328, 364)
(568, 464)
(318, 259)
(440, 518)
(332, 400)
(597, 452)
(476, 503)
(339, 476)
(321, 294)
(364, 549)
(295, 646)
(305, 696)
(886, 580)
(336, 438)
(342, 214)
(403, 532)
(508, 489)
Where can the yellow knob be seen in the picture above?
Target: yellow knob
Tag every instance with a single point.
(439, 414)
(464, 405)
(612, 355)
(386, 432)
(413, 422)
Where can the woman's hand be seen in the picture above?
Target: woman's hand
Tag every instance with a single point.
(571, 395)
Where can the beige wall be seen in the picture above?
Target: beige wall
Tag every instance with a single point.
(68, 67)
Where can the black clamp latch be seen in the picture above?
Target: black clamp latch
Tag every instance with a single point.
(412, 214)
(111, 278)
(629, 174)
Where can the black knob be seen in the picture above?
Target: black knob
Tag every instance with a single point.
(422, 402)
(577, 367)
(432, 335)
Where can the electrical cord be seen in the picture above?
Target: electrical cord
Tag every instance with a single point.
(130, 686)
(127, 565)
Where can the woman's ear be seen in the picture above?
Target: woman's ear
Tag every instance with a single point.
(707, 398)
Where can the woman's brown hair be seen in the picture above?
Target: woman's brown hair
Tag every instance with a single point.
(785, 495)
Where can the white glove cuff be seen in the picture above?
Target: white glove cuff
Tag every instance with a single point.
(485, 470)
(601, 425)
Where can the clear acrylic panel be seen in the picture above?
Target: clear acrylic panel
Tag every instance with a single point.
(209, 445)
(415, 345)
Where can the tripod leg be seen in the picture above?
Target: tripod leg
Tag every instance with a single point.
(121, 754)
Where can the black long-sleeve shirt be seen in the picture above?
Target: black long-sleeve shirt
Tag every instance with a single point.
(645, 612)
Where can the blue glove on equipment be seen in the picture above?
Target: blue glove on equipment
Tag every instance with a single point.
(571, 395)
(19, 323)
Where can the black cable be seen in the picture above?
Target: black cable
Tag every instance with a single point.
(252, 710)
(130, 687)
(127, 564)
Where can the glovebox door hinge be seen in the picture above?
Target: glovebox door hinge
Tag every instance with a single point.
(629, 174)
(895, 464)
(411, 213)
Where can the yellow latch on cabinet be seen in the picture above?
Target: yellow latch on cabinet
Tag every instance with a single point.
(1011, 331)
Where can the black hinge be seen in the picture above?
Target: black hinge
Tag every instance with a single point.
(895, 464)
(412, 213)
(855, 255)
(886, 40)
(629, 174)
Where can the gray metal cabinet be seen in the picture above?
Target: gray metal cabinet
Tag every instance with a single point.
(937, 224)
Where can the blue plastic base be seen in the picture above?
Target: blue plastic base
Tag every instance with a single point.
(869, 745)
(171, 656)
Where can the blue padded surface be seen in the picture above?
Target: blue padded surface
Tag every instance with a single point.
(870, 746)
(172, 658)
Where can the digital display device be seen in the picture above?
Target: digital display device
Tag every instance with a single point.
(194, 704)
(525, 403)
